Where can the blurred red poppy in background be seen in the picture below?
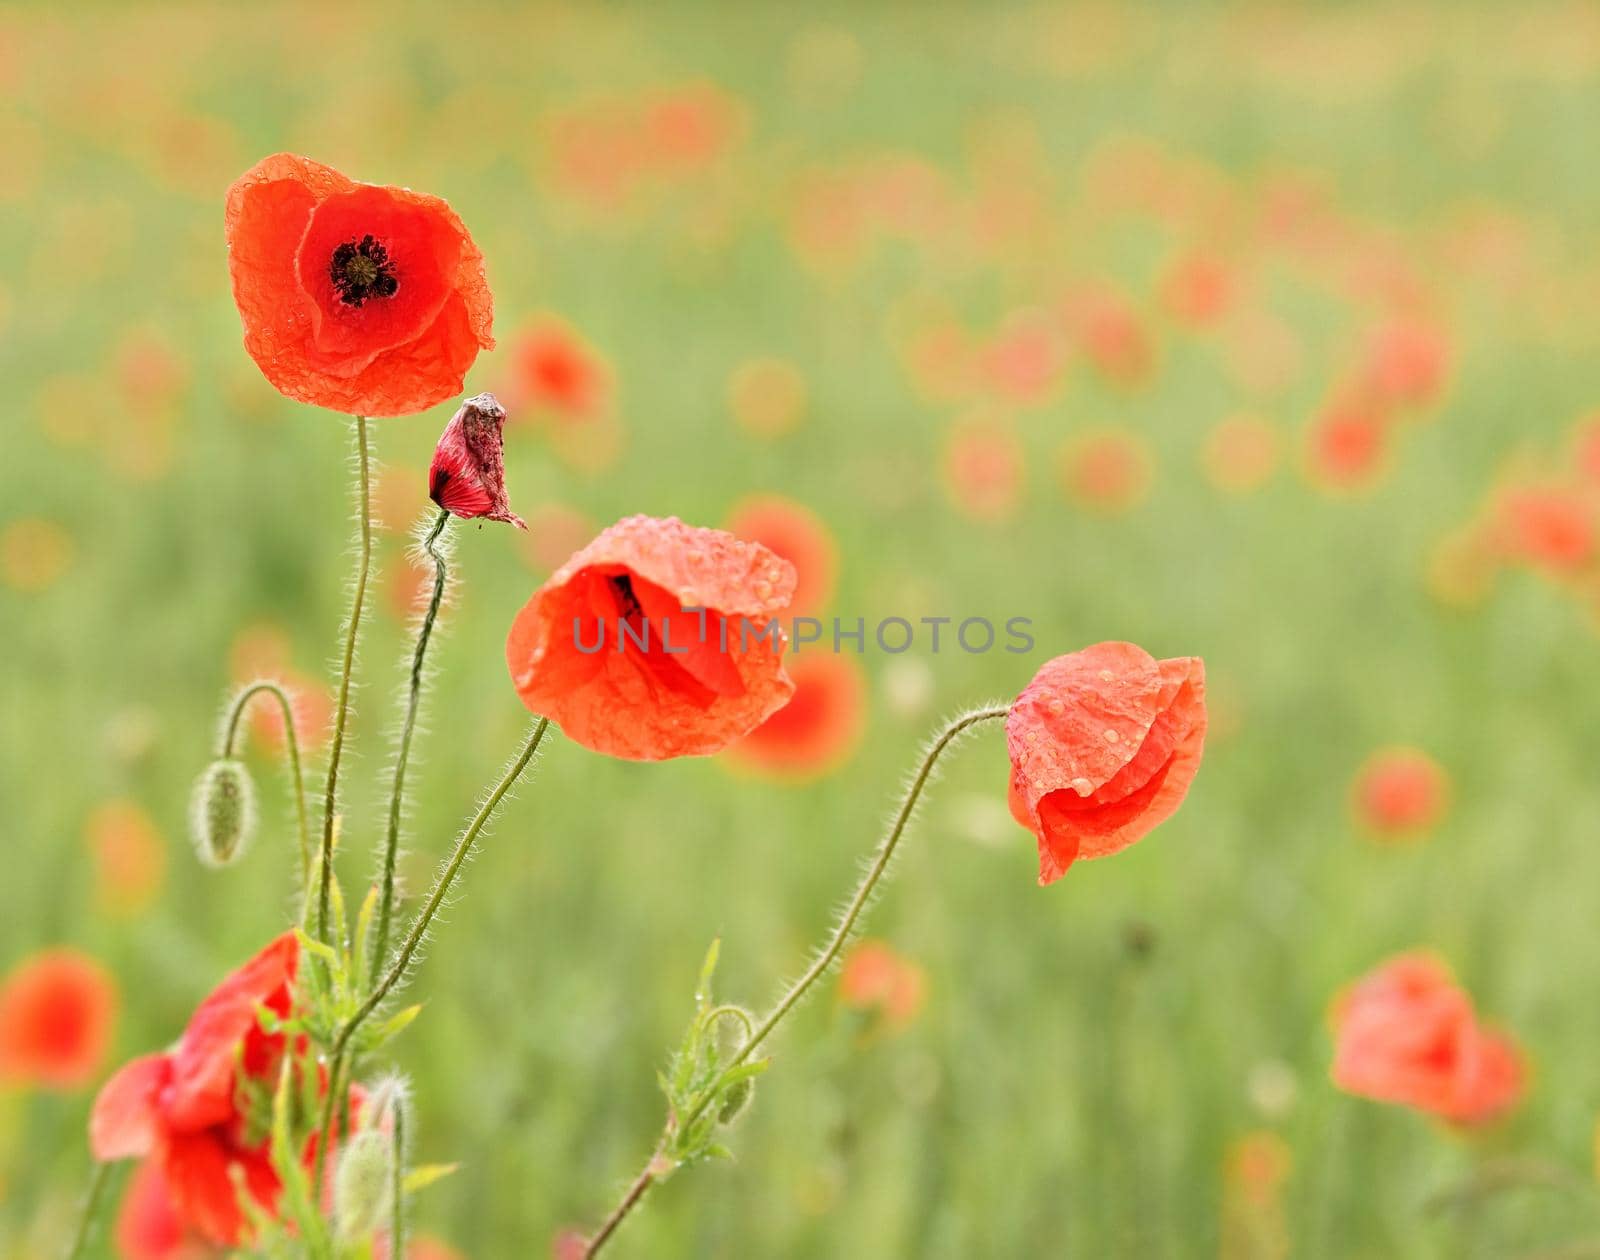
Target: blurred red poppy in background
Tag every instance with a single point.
(612, 649)
(793, 531)
(555, 371)
(877, 980)
(1104, 744)
(184, 1110)
(361, 298)
(57, 1008)
(816, 730)
(1406, 1033)
(1400, 793)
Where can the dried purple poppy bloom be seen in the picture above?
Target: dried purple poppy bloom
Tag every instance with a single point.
(468, 477)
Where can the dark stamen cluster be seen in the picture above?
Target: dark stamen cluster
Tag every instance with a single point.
(627, 601)
(361, 269)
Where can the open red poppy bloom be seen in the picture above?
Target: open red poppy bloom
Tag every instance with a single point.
(184, 1109)
(656, 640)
(361, 298)
(468, 476)
(56, 1012)
(1406, 1033)
(1104, 744)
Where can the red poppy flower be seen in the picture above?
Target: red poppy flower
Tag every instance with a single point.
(1406, 1033)
(1400, 793)
(816, 730)
(56, 1012)
(984, 469)
(184, 1110)
(612, 649)
(1107, 472)
(556, 370)
(796, 533)
(361, 298)
(128, 854)
(1550, 527)
(1104, 744)
(877, 980)
(148, 1225)
(1346, 447)
(468, 476)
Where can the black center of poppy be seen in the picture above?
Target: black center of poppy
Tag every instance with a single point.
(360, 270)
(627, 602)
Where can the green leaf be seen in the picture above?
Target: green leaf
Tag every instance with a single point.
(369, 908)
(702, 991)
(394, 1025)
(424, 1175)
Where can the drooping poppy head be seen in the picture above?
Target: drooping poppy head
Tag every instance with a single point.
(468, 475)
(56, 1013)
(184, 1107)
(815, 732)
(793, 531)
(1104, 744)
(1399, 794)
(361, 298)
(1407, 1033)
(656, 640)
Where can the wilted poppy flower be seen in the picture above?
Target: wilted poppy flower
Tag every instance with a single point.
(56, 1012)
(1400, 793)
(984, 469)
(468, 475)
(1406, 1033)
(186, 1109)
(1104, 744)
(656, 640)
(877, 980)
(793, 531)
(819, 726)
(361, 298)
(1108, 472)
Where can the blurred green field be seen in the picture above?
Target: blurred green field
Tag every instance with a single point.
(1060, 1093)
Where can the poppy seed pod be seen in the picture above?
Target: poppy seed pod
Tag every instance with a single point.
(363, 1188)
(222, 812)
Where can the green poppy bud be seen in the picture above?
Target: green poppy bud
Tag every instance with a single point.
(222, 812)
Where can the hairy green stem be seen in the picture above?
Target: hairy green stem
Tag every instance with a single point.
(419, 927)
(397, 1171)
(408, 727)
(341, 710)
(88, 1218)
(291, 743)
(842, 931)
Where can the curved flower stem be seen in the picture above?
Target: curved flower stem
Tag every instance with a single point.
(92, 1202)
(341, 711)
(291, 746)
(419, 927)
(391, 848)
(657, 1166)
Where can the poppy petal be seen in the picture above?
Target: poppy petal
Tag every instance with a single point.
(125, 1121)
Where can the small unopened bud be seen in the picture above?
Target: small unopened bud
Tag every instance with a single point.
(222, 812)
(735, 1099)
(364, 1185)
